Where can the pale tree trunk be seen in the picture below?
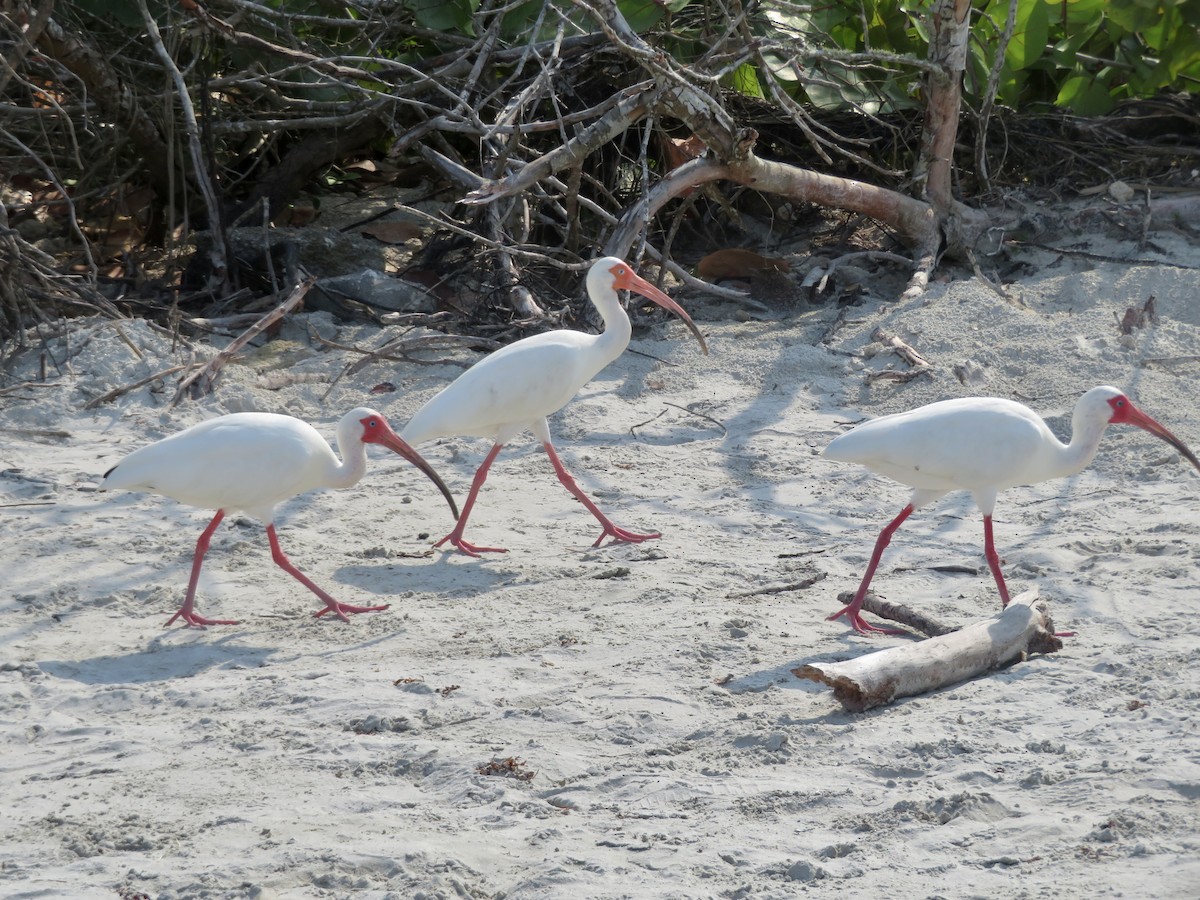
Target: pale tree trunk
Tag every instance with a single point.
(950, 26)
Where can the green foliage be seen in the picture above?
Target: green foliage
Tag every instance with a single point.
(1087, 55)
(744, 80)
(641, 15)
(444, 15)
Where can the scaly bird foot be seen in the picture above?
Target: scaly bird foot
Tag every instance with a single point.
(859, 624)
(467, 547)
(194, 620)
(621, 534)
(340, 610)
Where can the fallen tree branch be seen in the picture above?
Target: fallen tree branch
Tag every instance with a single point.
(207, 375)
(903, 615)
(126, 388)
(878, 678)
(920, 365)
(732, 158)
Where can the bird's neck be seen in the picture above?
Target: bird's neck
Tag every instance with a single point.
(353, 466)
(1085, 441)
(617, 330)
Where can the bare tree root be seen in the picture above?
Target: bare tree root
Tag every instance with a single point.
(922, 224)
(545, 141)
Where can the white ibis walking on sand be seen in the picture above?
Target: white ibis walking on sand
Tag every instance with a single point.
(252, 461)
(518, 386)
(982, 445)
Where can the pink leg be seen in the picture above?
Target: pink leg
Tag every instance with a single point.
(331, 605)
(187, 612)
(455, 537)
(993, 558)
(852, 611)
(610, 530)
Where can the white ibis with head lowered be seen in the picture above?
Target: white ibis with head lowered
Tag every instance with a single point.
(252, 461)
(982, 445)
(518, 386)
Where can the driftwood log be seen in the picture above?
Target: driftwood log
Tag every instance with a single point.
(878, 678)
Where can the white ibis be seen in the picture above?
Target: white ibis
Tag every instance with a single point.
(252, 461)
(982, 445)
(518, 386)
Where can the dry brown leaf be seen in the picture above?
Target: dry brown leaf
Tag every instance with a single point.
(735, 263)
(681, 150)
(374, 171)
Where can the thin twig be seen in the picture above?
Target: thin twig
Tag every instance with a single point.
(989, 95)
(801, 585)
(406, 346)
(29, 384)
(125, 389)
(996, 287)
(633, 428)
(692, 412)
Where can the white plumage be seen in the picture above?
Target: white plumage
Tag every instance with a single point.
(252, 462)
(517, 387)
(982, 445)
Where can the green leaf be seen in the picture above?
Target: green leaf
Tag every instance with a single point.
(1132, 16)
(1181, 54)
(744, 80)
(780, 68)
(1085, 95)
(642, 15)
(1080, 13)
(1064, 53)
(1030, 36)
(444, 15)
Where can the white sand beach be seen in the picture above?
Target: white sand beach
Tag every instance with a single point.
(618, 722)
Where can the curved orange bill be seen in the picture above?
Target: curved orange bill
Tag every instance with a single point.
(395, 443)
(628, 281)
(1135, 416)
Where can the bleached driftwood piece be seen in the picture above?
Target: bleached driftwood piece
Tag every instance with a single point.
(878, 678)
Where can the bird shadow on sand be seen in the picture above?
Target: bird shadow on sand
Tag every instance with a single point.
(427, 576)
(161, 661)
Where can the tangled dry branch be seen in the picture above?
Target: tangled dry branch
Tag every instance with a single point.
(537, 140)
